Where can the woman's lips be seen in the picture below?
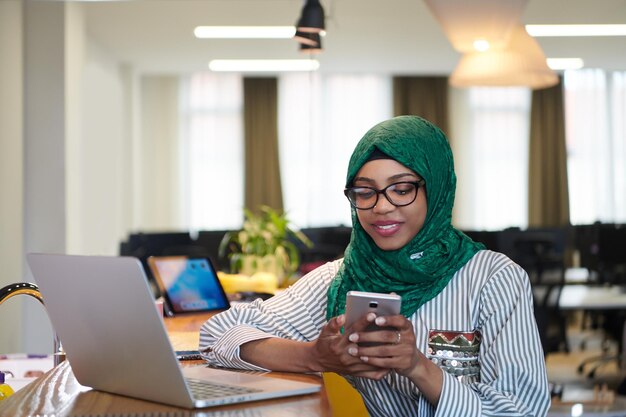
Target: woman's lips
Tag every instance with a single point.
(387, 228)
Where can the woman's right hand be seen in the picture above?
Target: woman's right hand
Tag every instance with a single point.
(331, 351)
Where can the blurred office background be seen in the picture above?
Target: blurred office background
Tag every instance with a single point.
(111, 123)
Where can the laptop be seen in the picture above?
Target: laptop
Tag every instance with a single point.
(104, 313)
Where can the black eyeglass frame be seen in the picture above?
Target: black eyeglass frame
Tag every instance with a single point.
(417, 184)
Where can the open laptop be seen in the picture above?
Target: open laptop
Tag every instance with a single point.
(104, 313)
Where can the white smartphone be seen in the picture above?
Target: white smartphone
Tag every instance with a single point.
(359, 303)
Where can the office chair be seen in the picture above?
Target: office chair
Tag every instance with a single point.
(607, 253)
(541, 252)
(211, 240)
(144, 245)
(344, 400)
(612, 327)
(551, 321)
(486, 237)
(329, 243)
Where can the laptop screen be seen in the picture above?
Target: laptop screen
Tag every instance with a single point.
(188, 284)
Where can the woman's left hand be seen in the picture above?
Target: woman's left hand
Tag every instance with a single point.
(396, 348)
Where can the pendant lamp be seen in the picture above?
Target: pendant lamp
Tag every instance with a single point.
(307, 49)
(312, 48)
(308, 38)
(487, 22)
(312, 17)
(520, 63)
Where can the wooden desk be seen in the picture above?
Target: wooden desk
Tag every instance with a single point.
(57, 393)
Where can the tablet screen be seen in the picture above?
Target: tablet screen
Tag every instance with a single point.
(188, 285)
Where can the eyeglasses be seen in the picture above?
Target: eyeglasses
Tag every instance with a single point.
(399, 194)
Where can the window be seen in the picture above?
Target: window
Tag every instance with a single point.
(595, 119)
(321, 119)
(212, 157)
(490, 128)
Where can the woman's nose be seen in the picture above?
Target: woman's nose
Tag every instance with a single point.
(383, 205)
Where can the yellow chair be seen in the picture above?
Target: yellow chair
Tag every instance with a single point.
(344, 400)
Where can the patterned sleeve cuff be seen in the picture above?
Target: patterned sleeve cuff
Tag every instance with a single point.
(457, 399)
(225, 351)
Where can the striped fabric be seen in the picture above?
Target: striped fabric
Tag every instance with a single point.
(490, 294)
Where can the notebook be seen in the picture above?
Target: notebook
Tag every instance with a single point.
(104, 313)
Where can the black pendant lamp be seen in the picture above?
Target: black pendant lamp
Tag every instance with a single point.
(312, 48)
(312, 17)
(308, 38)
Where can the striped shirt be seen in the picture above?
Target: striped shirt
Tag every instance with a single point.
(490, 294)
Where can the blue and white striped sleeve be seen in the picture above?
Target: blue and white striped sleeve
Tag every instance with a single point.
(298, 313)
(513, 375)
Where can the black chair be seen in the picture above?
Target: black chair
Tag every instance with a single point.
(329, 243)
(540, 251)
(486, 237)
(586, 246)
(605, 255)
(611, 256)
(551, 321)
(613, 328)
(144, 245)
(210, 240)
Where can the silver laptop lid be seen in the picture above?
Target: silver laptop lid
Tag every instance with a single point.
(87, 297)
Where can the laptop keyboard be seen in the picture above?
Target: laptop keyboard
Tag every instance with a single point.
(202, 390)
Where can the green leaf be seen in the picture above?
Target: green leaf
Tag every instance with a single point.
(267, 232)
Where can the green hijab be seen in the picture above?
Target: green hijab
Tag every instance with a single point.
(423, 267)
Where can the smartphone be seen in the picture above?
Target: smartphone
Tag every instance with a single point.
(359, 303)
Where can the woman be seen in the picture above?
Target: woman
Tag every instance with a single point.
(466, 342)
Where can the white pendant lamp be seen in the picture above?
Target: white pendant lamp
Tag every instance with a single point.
(520, 63)
(487, 23)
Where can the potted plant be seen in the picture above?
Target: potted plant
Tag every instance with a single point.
(266, 243)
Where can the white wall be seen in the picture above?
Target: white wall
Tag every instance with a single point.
(160, 159)
(460, 141)
(45, 125)
(98, 171)
(11, 166)
(67, 147)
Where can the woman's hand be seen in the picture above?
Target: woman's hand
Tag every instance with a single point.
(394, 348)
(331, 351)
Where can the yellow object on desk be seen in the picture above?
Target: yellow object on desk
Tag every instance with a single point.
(5, 389)
(259, 282)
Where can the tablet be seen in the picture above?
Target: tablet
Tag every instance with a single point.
(188, 285)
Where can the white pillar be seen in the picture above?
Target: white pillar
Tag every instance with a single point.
(11, 166)
(45, 129)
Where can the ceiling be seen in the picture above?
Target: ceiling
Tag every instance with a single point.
(381, 36)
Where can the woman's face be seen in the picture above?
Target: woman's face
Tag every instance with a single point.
(389, 226)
